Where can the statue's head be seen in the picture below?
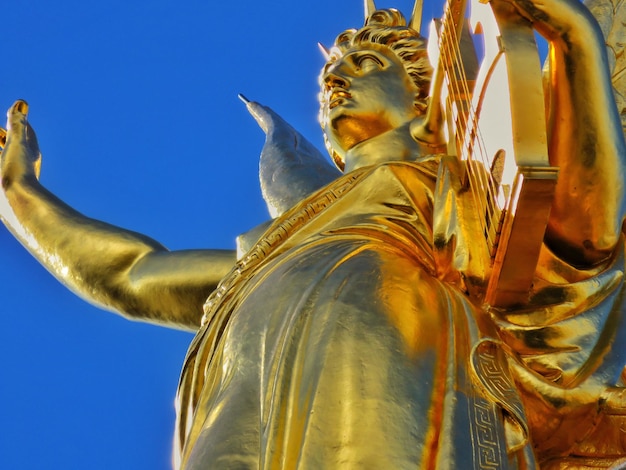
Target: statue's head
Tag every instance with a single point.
(376, 79)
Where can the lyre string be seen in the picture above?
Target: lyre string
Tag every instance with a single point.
(471, 143)
(451, 52)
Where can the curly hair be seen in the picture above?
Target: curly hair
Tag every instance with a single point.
(387, 28)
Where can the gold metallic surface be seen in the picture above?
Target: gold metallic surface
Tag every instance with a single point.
(454, 300)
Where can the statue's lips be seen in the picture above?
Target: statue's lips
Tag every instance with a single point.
(337, 96)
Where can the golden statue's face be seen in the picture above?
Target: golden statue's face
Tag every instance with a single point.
(364, 94)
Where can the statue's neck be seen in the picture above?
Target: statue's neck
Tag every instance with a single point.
(391, 146)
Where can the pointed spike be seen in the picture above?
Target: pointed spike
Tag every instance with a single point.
(324, 50)
(370, 8)
(416, 16)
(242, 97)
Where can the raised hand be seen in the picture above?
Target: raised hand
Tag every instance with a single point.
(20, 156)
(114, 268)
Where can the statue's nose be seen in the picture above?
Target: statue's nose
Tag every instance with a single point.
(333, 78)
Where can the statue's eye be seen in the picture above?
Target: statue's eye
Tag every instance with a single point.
(367, 62)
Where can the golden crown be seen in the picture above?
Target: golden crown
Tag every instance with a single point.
(370, 7)
(416, 16)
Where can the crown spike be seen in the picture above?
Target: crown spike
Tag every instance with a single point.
(370, 8)
(324, 50)
(416, 16)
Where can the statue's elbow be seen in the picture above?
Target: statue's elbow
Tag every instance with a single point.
(583, 248)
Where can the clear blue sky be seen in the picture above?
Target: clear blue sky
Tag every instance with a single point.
(135, 105)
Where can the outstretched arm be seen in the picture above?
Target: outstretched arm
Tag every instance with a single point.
(585, 134)
(116, 269)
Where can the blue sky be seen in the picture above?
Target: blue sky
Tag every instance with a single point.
(135, 106)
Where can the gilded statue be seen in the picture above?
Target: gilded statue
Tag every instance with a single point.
(422, 307)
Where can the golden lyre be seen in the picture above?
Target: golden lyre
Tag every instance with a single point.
(516, 208)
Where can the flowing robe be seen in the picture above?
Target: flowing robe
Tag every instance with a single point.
(351, 336)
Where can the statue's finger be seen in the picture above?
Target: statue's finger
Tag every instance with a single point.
(3, 137)
(17, 115)
(20, 106)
